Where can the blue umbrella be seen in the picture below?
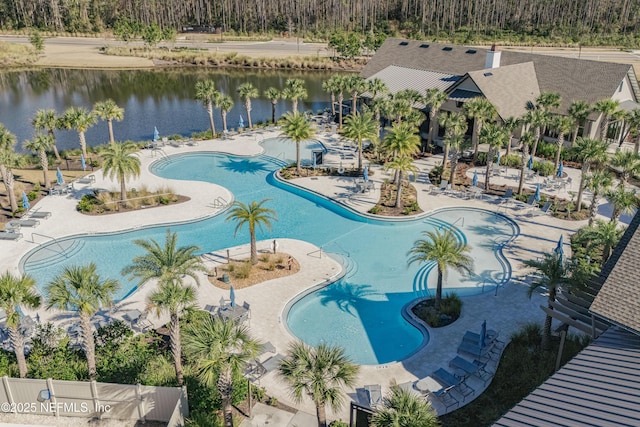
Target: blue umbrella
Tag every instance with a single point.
(483, 334)
(559, 173)
(156, 134)
(82, 162)
(559, 248)
(536, 196)
(241, 122)
(59, 177)
(530, 163)
(232, 296)
(25, 201)
(498, 159)
(474, 181)
(365, 173)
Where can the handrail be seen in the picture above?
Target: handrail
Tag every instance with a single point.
(62, 250)
(322, 248)
(220, 202)
(461, 219)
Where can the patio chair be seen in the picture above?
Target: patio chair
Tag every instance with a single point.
(447, 379)
(39, 215)
(142, 323)
(10, 235)
(18, 223)
(444, 184)
(475, 350)
(374, 394)
(445, 397)
(543, 211)
(89, 179)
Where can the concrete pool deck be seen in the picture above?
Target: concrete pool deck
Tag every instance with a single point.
(505, 312)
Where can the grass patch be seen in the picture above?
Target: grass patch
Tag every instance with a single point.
(16, 55)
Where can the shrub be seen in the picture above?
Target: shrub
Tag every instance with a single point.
(264, 258)
(242, 270)
(512, 160)
(543, 168)
(451, 305)
(376, 209)
(338, 423)
(482, 159)
(272, 401)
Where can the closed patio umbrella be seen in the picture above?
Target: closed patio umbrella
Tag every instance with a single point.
(560, 247)
(25, 201)
(365, 173)
(498, 159)
(241, 122)
(232, 296)
(474, 180)
(156, 134)
(82, 162)
(59, 177)
(559, 173)
(536, 195)
(530, 163)
(483, 334)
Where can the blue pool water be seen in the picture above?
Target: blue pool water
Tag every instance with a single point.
(362, 311)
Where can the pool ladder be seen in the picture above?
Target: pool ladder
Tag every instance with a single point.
(63, 252)
(219, 203)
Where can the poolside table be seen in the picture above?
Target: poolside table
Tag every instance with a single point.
(131, 316)
(237, 313)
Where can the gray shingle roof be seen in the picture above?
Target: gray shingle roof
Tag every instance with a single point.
(574, 79)
(619, 297)
(599, 387)
(400, 78)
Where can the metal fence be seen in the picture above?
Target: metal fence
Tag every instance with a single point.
(94, 400)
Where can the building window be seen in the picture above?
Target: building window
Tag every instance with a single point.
(620, 86)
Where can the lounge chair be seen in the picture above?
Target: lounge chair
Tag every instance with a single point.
(10, 235)
(192, 142)
(89, 179)
(474, 338)
(39, 215)
(444, 185)
(17, 223)
(471, 368)
(475, 350)
(374, 395)
(447, 379)
(543, 211)
(445, 397)
(142, 323)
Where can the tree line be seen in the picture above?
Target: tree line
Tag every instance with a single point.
(574, 19)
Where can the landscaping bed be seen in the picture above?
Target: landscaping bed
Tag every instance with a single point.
(242, 274)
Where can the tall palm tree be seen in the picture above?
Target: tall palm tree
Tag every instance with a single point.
(446, 252)
(332, 87)
(320, 373)
(47, 120)
(480, 110)
(606, 107)
(9, 159)
(548, 100)
(108, 110)
(579, 111)
(588, 151)
(605, 235)
(401, 141)
(296, 127)
(81, 289)
(341, 83)
(399, 106)
(510, 125)
(526, 140)
(627, 163)
(121, 163)
(295, 91)
(403, 165)
(434, 99)
(225, 104)
(553, 274)
(402, 408)
(40, 144)
(207, 94)
(622, 200)
(537, 119)
(377, 88)
(16, 294)
(633, 118)
(220, 350)
(79, 119)
(273, 95)
(355, 86)
(170, 265)
(254, 215)
(247, 92)
(561, 125)
(455, 125)
(496, 136)
(359, 127)
(597, 182)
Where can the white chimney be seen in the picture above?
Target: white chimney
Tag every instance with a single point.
(493, 57)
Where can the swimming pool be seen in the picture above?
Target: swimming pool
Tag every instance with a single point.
(361, 311)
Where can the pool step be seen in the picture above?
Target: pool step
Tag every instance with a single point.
(55, 252)
(420, 285)
(440, 224)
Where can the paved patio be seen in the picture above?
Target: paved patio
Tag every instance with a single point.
(505, 311)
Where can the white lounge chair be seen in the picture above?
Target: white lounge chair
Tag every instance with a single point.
(39, 215)
(18, 223)
(10, 235)
(89, 179)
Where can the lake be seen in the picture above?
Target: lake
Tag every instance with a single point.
(163, 98)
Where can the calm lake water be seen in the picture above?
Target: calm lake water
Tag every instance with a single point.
(163, 98)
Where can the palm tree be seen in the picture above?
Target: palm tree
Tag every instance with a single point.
(294, 90)
(40, 144)
(9, 159)
(359, 127)
(622, 200)
(47, 120)
(247, 91)
(332, 87)
(296, 127)
(480, 110)
(553, 274)
(562, 125)
(526, 139)
(597, 182)
(399, 106)
(273, 95)
(588, 151)
(341, 84)
(320, 373)
(548, 100)
(402, 165)
(121, 163)
(170, 265)
(495, 136)
(377, 87)
(402, 408)
(401, 141)
(108, 110)
(446, 251)
(254, 215)
(355, 86)
(17, 294)
(510, 124)
(579, 111)
(537, 119)
(606, 107)
(605, 235)
(80, 288)
(79, 119)
(207, 94)
(633, 118)
(434, 99)
(220, 350)
(225, 104)
(628, 163)
(455, 125)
